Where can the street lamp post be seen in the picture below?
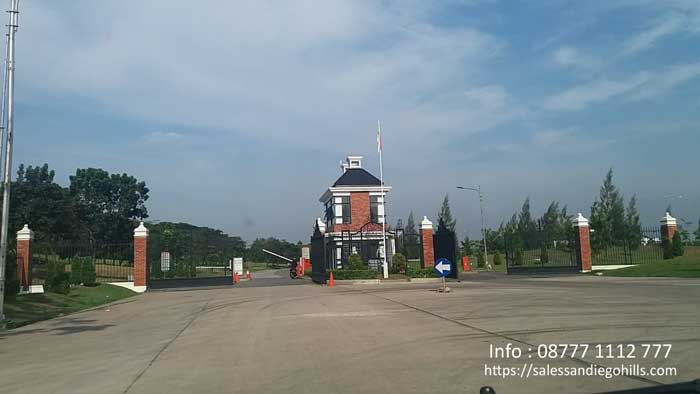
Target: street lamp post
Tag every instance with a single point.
(483, 219)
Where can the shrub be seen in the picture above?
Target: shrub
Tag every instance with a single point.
(667, 248)
(398, 264)
(57, 279)
(497, 259)
(544, 255)
(480, 261)
(348, 274)
(422, 273)
(519, 258)
(677, 244)
(88, 274)
(157, 274)
(11, 281)
(76, 270)
(355, 262)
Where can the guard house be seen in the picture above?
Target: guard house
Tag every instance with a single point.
(353, 217)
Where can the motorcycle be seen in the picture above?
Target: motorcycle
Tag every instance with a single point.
(293, 270)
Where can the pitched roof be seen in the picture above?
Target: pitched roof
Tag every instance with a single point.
(357, 177)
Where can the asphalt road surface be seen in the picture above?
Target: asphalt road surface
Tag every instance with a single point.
(269, 336)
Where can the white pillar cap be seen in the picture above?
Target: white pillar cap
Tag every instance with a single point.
(426, 224)
(580, 221)
(141, 231)
(25, 234)
(668, 220)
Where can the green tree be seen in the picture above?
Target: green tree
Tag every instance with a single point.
(411, 246)
(697, 234)
(633, 227)
(677, 245)
(497, 259)
(43, 204)
(398, 263)
(480, 260)
(608, 215)
(355, 262)
(544, 254)
(446, 214)
(108, 205)
(550, 219)
(466, 247)
(526, 225)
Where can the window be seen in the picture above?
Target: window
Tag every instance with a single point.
(329, 214)
(342, 209)
(374, 211)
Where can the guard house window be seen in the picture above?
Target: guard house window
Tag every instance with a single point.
(329, 214)
(342, 210)
(374, 202)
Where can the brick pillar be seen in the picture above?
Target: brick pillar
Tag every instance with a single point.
(24, 238)
(140, 254)
(583, 243)
(668, 227)
(426, 235)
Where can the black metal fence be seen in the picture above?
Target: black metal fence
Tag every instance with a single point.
(541, 252)
(632, 247)
(111, 262)
(189, 257)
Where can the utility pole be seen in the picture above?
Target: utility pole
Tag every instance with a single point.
(483, 219)
(11, 30)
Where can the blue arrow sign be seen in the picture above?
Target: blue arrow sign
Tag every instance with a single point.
(443, 267)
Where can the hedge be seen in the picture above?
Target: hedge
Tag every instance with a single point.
(422, 273)
(353, 274)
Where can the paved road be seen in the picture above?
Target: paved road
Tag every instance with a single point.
(394, 338)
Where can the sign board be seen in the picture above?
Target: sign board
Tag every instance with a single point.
(305, 252)
(443, 267)
(238, 265)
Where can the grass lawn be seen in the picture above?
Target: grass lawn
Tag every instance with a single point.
(687, 266)
(25, 309)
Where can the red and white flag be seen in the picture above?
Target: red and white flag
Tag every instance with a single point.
(379, 137)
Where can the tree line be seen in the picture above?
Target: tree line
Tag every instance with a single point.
(99, 207)
(613, 223)
(96, 206)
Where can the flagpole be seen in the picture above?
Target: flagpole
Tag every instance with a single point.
(385, 267)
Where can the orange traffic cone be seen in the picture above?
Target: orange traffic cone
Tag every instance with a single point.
(331, 281)
(236, 279)
(247, 274)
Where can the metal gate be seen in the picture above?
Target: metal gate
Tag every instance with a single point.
(541, 253)
(318, 256)
(188, 262)
(445, 247)
(410, 245)
(631, 246)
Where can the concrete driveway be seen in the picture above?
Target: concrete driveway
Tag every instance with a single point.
(390, 338)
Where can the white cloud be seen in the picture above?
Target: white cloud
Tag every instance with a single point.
(584, 95)
(663, 83)
(642, 85)
(647, 38)
(570, 57)
(306, 71)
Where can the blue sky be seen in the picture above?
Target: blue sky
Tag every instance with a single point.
(236, 114)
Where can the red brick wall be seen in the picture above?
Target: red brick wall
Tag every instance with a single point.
(359, 214)
(667, 231)
(140, 250)
(583, 248)
(428, 251)
(23, 263)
